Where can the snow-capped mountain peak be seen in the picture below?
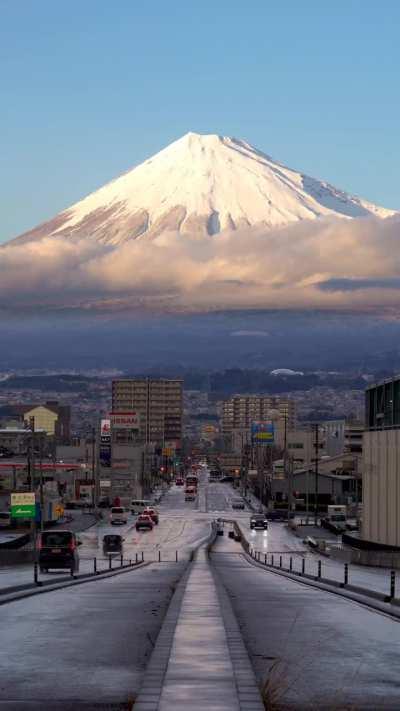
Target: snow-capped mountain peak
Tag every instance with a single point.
(201, 185)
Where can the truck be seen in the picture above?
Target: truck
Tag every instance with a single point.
(336, 518)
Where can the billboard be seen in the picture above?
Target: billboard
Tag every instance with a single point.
(262, 432)
(105, 443)
(125, 420)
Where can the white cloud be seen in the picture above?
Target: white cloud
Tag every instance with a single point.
(313, 264)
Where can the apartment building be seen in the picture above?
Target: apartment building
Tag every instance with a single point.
(158, 404)
(240, 411)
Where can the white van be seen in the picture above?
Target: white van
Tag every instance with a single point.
(139, 505)
(118, 515)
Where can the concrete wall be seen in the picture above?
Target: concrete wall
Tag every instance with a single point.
(381, 487)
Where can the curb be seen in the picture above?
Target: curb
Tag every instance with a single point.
(246, 684)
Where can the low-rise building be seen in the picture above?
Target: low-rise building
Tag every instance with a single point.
(381, 464)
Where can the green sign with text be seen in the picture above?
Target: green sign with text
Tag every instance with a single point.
(23, 505)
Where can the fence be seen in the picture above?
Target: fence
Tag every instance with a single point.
(314, 570)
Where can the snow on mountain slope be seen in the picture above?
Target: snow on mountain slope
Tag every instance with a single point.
(201, 185)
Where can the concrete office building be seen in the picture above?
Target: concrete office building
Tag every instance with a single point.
(159, 403)
(381, 464)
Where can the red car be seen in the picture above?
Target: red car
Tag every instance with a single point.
(149, 511)
(144, 521)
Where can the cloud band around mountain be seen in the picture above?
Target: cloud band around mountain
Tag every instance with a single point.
(332, 263)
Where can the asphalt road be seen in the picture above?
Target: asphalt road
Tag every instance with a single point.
(182, 526)
(318, 650)
(279, 539)
(84, 644)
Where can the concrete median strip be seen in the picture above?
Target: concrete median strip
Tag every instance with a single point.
(199, 659)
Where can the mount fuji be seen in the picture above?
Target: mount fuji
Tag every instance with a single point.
(201, 185)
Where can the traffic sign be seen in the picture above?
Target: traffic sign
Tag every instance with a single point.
(23, 505)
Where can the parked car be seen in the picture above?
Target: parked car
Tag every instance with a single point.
(118, 515)
(144, 521)
(104, 502)
(237, 504)
(179, 482)
(259, 521)
(112, 543)
(58, 549)
(150, 511)
(5, 519)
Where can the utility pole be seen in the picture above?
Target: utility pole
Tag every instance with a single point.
(93, 461)
(316, 427)
(41, 481)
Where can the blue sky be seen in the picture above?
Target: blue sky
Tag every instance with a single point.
(89, 89)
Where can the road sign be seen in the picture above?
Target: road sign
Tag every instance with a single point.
(23, 505)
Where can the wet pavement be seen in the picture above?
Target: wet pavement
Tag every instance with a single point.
(89, 643)
(312, 649)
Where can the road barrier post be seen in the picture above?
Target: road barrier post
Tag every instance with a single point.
(35, 573)
(142, 557)
(280, 561)
(319, 568)
(290, 563)
(392, 583)
(95, 565)
(265, 559)
(136, 559)
(109, 562)
(346, 573)
(122, 561)
(303, 566)
(272, 560)
(159, 556)
(176, 556)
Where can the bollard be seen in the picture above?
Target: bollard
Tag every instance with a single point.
(109, 562)
(272, 560)
(176, 556)
(122, 561)
(159, 556)
(319, 568)
(346, 573)
(392, 583)
(280, 561)
(303, 566)
(290, 563)
(95, 565)
(142, 557)
(35, 573)
(259, 556)
(136, 559)
(265, 559)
